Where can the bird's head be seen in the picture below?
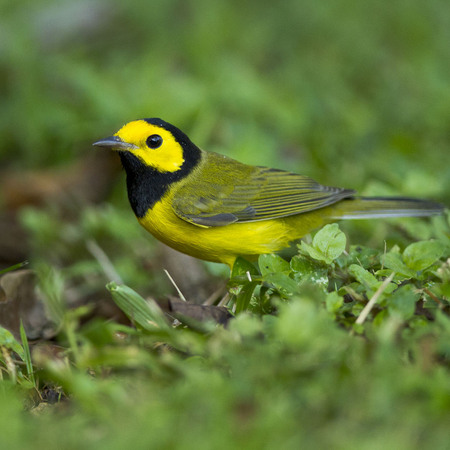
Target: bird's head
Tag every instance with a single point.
(156, 143)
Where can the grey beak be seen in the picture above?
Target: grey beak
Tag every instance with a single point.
(115, 143)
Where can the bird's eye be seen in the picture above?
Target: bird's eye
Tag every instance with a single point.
(154, 141)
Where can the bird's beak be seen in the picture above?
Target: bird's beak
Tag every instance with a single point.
(115, 143)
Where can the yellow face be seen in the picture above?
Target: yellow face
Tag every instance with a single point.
(153, 145)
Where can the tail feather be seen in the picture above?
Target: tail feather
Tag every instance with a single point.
(379, 207)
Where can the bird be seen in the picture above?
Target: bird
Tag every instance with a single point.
(216, 208)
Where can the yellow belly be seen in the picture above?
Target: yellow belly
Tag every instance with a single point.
(224, 244)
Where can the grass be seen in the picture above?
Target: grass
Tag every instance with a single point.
(343, 344)
(308, 361)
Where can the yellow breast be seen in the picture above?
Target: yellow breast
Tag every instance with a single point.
(224, 244)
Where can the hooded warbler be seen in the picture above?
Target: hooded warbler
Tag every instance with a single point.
(215, 208)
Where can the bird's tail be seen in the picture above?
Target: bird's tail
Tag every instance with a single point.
(378, 207)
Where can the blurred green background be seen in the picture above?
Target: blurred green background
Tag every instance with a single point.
(355, 94)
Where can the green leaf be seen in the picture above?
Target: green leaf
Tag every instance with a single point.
(309, 250)
(241, 266)
(367, 279)
(304, 266)
(282, 283)
(380, 318)
(364, 277)
(328, 244)
(445, 289)
(334, 301)
(394, 262)
(306, 270)
(420, 255)
(331, 241)
(146, 313)
(8, 340)
(271, 263)
(403, 302)
(364, 256)
(244, 296)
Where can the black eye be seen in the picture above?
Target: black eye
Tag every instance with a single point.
(154, 141)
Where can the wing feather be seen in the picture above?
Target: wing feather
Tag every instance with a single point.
(222, 191)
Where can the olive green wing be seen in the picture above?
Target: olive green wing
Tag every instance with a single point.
(223, 191)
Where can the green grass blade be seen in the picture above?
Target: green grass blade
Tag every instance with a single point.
(145, 313)
(14, 267)
(27, 354)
